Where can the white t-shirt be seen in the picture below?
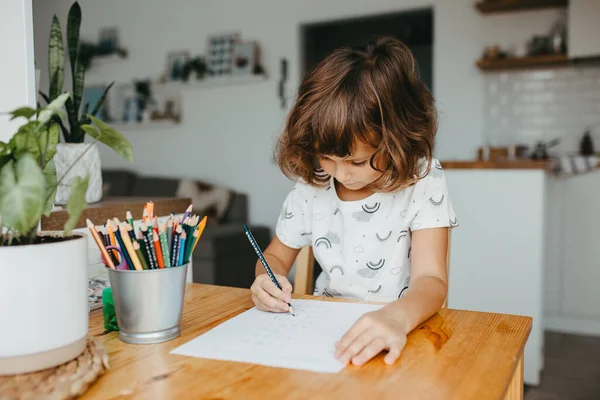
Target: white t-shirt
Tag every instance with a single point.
(363, 246)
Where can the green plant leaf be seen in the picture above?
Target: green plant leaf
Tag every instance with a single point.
(51, 186)
(22, 188)
(24, 141)
(101, 100)
(73, 25)
(26, 112)
(48, 141)
(78, 84)
(56, 59)
(44, 96)
(54, 108)
(76, 202)
(110, 137)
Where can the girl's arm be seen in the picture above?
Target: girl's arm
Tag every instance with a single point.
(428, 278)
(279, 256)
(265, 294)
(386, 329)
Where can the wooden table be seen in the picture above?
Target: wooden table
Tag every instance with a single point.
(454, 355)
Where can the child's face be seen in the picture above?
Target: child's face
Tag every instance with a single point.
(354, 171)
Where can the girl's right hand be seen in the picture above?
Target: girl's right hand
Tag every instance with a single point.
(267, 297)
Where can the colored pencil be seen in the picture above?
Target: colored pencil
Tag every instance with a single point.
(96, 237)
(180, 259)
(145, 214)
(175, 248)
(128, 263)
(107, 243)
(147, 233)
(130, 219)
(150, 206)
(190, 245)
(264, 262)
(113, 241)
(159, 255)
(129, 246)
(169, 231)
(138, 251)
(188, 212)
(165, 248)
(140, 240)
(200, 229)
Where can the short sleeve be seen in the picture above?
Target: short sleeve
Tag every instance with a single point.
(294, 224)
(436, 210)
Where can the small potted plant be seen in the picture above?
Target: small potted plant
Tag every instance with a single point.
(43, 275)
(77, 116)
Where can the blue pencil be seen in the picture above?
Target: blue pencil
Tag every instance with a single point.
(181, 249)
(124, 249)
(264, 262)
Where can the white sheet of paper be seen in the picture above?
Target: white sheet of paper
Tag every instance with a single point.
(306, 341)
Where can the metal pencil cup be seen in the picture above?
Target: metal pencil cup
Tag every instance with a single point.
(148, 303)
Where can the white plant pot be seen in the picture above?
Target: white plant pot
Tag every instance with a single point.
(66, 155)
(44, 312)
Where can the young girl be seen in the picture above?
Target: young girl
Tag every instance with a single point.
(370, 198)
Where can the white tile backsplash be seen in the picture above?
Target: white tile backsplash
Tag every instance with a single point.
(527, 106)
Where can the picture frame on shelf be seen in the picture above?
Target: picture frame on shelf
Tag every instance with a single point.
(168, 107)
(219, 53)
(244, 58)
(91, 96)
(176, 62)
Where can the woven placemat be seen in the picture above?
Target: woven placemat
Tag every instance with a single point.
(66, 381)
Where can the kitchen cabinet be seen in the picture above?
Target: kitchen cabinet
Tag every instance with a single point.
(573, 271)
(583, 28)
(497, 252)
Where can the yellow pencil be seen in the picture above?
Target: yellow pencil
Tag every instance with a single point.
(199, 229)
(129, 246)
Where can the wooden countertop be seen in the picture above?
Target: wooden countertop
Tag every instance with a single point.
(112, 207)
(454, 355)
(495, 164)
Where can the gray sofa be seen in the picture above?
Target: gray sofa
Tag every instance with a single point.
(223, 255)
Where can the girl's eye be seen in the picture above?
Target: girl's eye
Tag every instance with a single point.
(359, 164)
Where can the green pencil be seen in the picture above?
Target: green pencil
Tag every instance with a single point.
(138, 251)
(165, 248)
(130, 219)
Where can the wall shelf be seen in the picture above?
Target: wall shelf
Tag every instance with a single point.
(499, 6)
(209, 83)
(532, 62)
(152, 125)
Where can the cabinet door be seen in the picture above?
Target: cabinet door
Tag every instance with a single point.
(583, 28)
(581, 267)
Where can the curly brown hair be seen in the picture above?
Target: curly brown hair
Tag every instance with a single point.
(370, 93)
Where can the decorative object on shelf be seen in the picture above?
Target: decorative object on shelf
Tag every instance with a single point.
(66, 381)
(513, 63)
(168, 107)
(35, 262)
(284, 76)
(78, 118)
(586, 146)
(220, 52)
(496, 6)
(244, 58)
(93, 95)
(175, 65)
(145, 101)
(196, 66)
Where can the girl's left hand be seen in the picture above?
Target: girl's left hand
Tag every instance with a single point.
(373, 332)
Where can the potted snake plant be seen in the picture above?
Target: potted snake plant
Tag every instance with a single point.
(43, 275)
(73, 127)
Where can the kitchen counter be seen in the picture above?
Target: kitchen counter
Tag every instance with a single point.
(496, 164)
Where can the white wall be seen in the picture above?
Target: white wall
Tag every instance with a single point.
(17, 72)
(227, 133)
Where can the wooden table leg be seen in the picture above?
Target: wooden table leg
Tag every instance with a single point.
(515, 388)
